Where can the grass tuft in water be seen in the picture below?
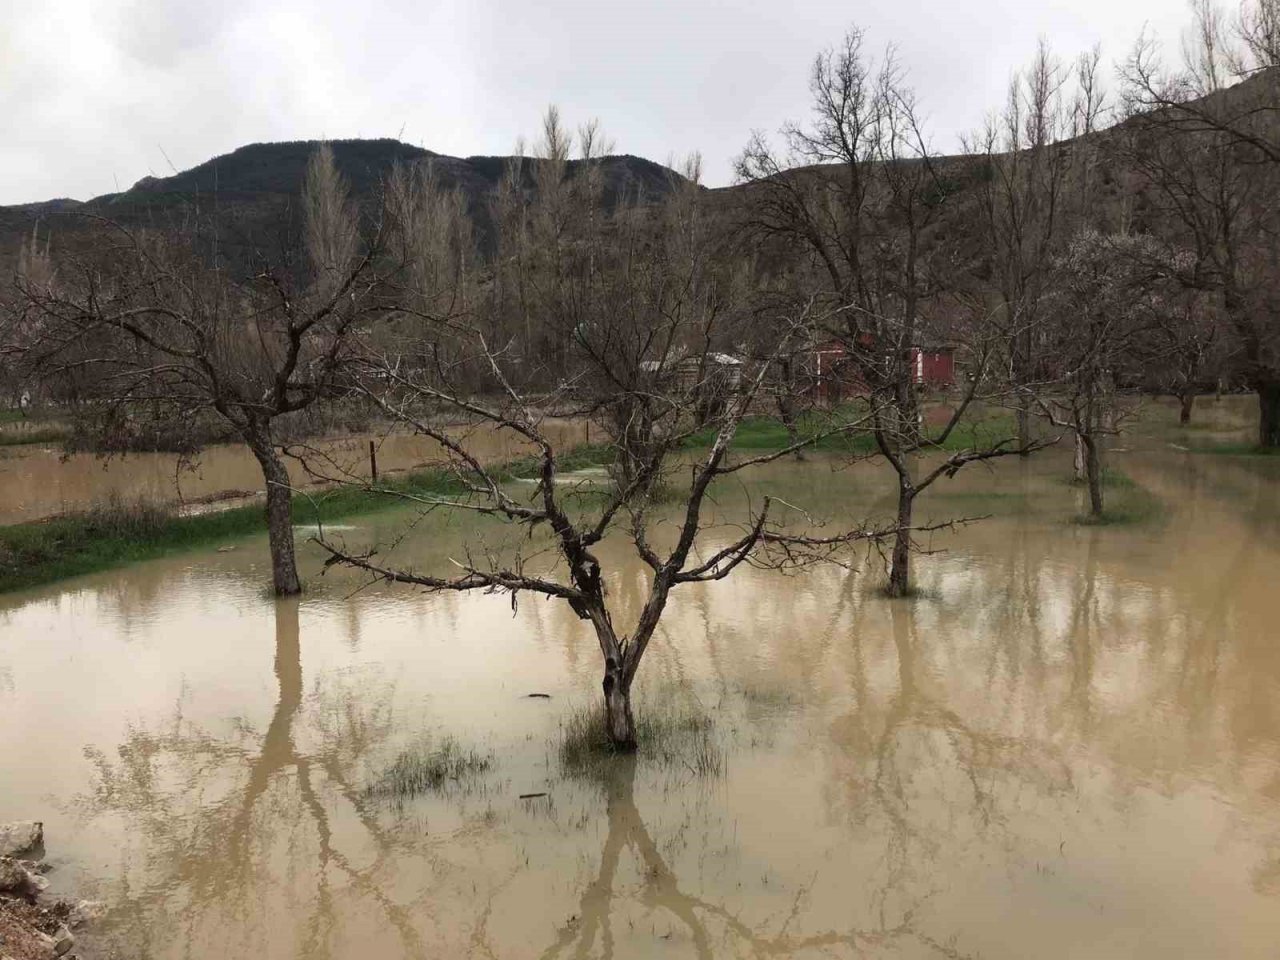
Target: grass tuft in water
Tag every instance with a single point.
(667, 734)
(1132, 503)
(428, 769)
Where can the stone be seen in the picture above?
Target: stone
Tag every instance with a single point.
(21, 836)
(62, 941)
(17, 879)
(48, 946)
(86, 911)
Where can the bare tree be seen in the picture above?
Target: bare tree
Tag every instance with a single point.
(1033, 190)
(1207, 163)
(172, 320)
(1217, 53)
(640, 301)
(1185, 348)
(861, 199)
(1104, 307)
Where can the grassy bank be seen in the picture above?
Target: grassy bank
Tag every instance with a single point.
(760, 434)
(1235, 449)
(41, 426)
(41, 435)
(121, 532)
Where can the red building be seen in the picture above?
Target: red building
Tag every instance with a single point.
(838, 377)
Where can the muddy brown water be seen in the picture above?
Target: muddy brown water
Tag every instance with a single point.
(1067, 746)
(40, 481)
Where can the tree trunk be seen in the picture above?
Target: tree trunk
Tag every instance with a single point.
(1188, 402)
(793, 435)
(1078, 464)
(1022, 361)
(284, 567)
(1269, 413)
(1024, 427)
(900, 565)
(619, 724)
(1093, 469)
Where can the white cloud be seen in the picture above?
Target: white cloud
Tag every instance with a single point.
(95, 92)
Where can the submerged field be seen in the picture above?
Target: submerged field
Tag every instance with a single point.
(1067, 745)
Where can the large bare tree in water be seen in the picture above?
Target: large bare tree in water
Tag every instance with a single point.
(638, 306)
(861, 200)
(178, 320)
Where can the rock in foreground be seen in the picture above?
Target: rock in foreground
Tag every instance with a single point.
(21, 837)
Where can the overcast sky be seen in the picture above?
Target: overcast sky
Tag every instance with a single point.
(95, 94)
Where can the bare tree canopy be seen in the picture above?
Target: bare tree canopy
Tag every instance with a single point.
(176, 320)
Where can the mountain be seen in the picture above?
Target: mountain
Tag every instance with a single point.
(256, 183)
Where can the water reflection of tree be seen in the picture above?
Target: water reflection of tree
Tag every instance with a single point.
(712, 928)
(210, 812)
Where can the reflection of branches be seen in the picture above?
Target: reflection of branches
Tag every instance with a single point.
(211, 839)
(712, 928)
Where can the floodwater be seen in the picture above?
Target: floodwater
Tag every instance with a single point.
(39, 481)
(1068, 746)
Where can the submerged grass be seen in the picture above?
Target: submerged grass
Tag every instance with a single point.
(425, 769)
(114, 534)
(1130, 503)
(667, 734)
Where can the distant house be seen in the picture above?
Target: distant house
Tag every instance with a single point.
(710, 378)
(838, 377)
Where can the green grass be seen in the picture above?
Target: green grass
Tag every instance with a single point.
(763, 434)
(428, 768)
(668, 734)
(1125, 502)
(1235, 449)
(122, 532)
(16, 438)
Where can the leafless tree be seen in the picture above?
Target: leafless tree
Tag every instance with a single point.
(1217, 53)
(1033, 189)
(640, 302)
(1204, 151)
(861, 200)
(1107, 297)
(169, 318)
(1185, 348)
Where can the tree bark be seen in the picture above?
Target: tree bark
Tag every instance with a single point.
(900, 565)
(619, 724)
(284, 566)
(1022, 360)
(1024, 428)
(1078, 463)
(1187, 404)
(1093, 469)
(1269, 413)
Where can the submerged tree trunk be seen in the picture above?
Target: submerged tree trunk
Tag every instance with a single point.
(1022, 361)
(1093, 471)
(284, 567)
(1024, 428)
(619, 723)
(1187, 402)
(900, 564)
(1269, 413)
